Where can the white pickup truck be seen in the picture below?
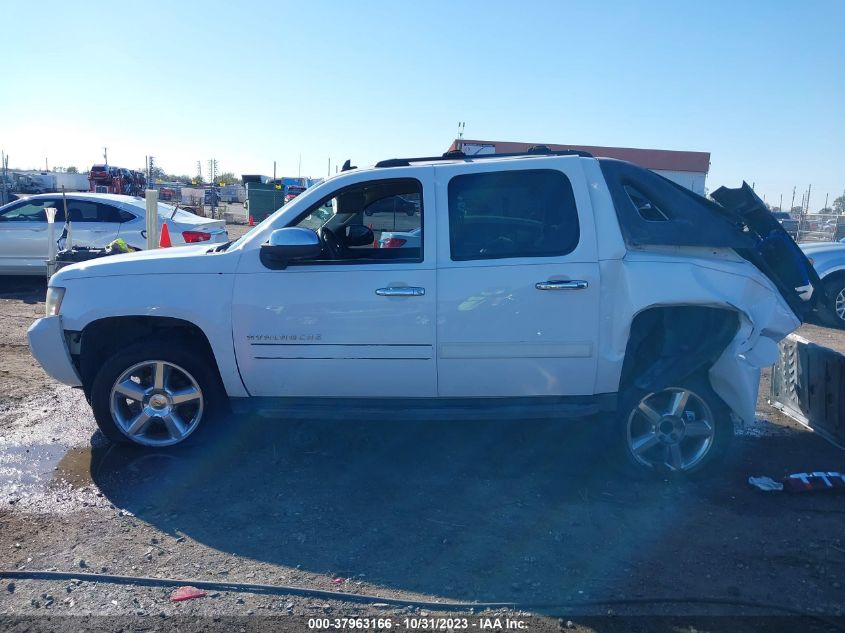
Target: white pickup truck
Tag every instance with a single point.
(544, 285)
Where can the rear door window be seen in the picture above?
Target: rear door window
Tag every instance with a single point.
(504, 214)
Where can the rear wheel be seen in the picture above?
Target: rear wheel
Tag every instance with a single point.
(676, 431)
(155, 393)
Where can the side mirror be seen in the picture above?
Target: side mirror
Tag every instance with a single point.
(358, 235)
(288, 244)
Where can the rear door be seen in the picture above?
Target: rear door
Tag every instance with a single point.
(518, 280)
(93, 223)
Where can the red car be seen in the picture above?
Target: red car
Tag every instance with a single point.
(293, 191)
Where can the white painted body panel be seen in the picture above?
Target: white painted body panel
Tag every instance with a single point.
(497, 334)
(181, 283)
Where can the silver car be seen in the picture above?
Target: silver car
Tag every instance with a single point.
(96, 219)
(828, 258)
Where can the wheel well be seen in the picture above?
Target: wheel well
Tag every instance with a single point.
(102, 338)
(835, 276)
(670, 343)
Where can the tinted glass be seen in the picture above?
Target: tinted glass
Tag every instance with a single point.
(31, 211)
(504, 214)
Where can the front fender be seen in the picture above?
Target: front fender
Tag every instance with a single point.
(202, 299)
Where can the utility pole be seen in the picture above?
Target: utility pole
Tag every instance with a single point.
(793, 200)
(809, 189)
(212, 170)
(46, 166)
(106, 155)
(780, 205)
(199, 172)
(825, 200)
(329, 172)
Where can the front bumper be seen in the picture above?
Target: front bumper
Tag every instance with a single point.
(48, 346)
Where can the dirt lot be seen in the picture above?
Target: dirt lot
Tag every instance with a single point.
(503, 512)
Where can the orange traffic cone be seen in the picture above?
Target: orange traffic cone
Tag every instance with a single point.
(251, 221)
(164, 239)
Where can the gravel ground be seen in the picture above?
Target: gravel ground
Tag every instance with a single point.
(503, 512)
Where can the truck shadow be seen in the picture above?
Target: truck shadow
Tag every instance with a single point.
(501, 511)
(27, 289)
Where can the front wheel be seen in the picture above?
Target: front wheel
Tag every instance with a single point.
(155, 393)
(678, 430)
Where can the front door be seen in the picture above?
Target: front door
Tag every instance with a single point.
(359, 320)
(23, 235)
(518, 281)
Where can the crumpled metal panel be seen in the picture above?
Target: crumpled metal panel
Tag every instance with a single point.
(808, 384)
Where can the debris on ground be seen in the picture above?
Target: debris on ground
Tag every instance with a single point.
(186, 593)
(766, 484)
(814, 482)
(801, 482)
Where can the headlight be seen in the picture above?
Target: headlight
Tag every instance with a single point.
(54, 300)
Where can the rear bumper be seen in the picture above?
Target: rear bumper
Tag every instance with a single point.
(48, 346)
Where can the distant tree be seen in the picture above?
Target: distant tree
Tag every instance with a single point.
(774, 209)
(72, 170)
(157, 173)
(827, 211)
(839, 204)
(797, 209)
(228, 178)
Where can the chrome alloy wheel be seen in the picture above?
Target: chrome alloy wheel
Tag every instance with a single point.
(839, 305)
(156, 403)
(672, 429)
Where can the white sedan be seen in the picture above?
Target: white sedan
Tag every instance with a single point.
(401, 239)
(96, 220)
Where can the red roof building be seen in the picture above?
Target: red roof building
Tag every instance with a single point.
(688, 169)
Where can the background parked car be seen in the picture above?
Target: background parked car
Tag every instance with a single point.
(401, 239)
(789, 224)
(828, 258)
(292, 192)
(394, 204)
(96, 219)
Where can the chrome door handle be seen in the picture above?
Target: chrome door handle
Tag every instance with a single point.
(401, 291)
(576, 284)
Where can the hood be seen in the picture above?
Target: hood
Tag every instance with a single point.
(822, 247)
(160, 261)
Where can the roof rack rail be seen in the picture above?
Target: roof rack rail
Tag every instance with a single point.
(456, 154)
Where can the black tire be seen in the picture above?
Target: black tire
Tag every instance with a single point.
(171, 350)
(622, 455)
(833, 288)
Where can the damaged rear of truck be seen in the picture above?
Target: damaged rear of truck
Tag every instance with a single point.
(711, 287)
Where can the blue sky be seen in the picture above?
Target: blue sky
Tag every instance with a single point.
(757, 84)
